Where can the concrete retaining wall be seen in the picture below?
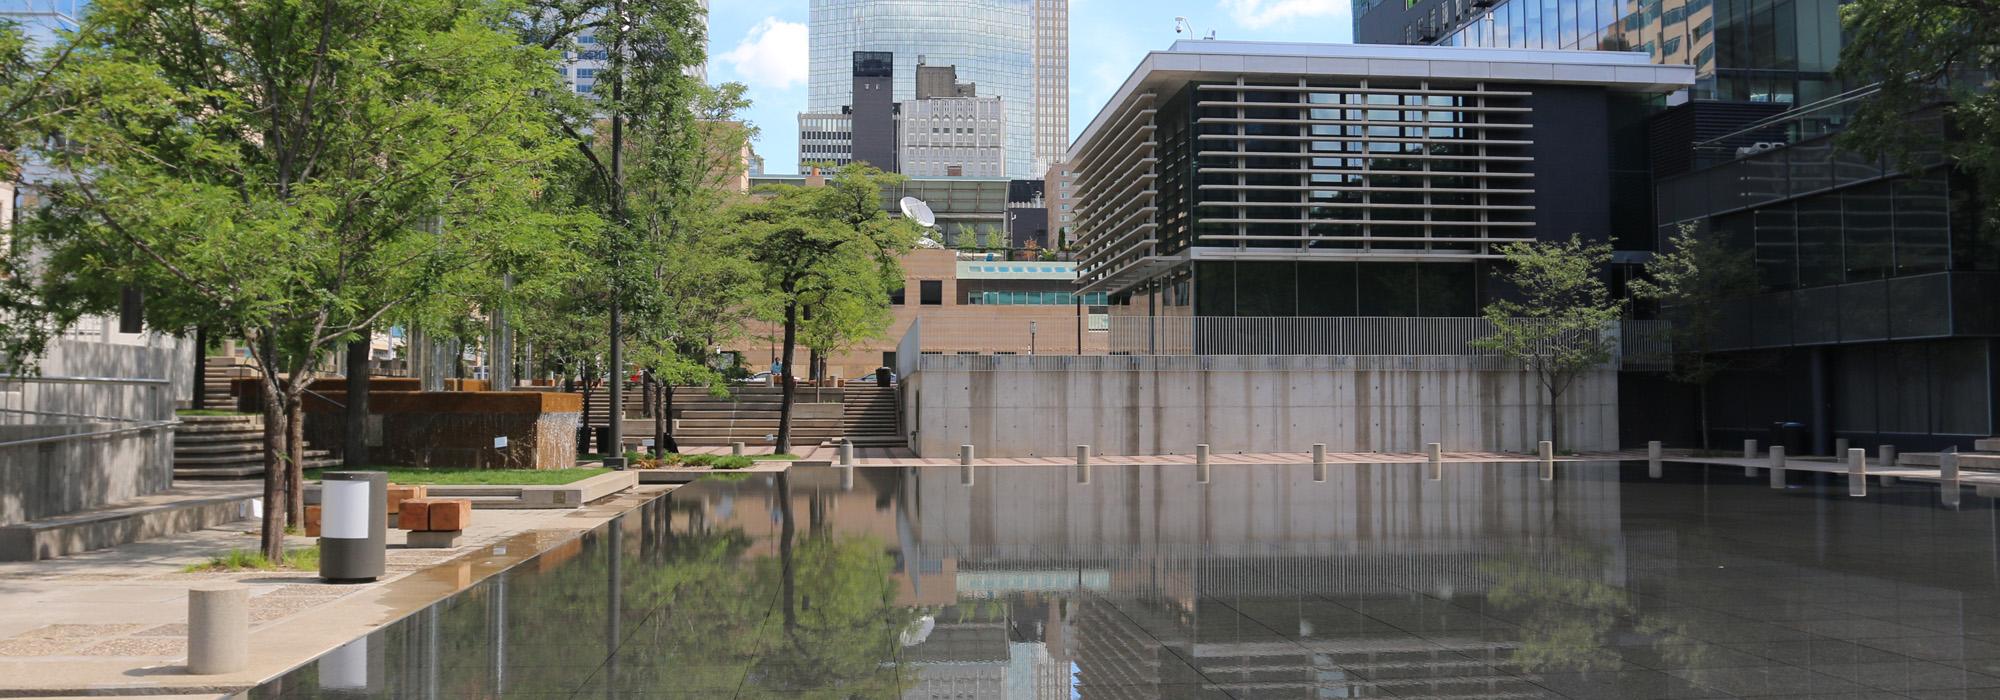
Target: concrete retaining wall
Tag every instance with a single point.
(1015, 406)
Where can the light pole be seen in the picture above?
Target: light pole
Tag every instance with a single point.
(1031, 338)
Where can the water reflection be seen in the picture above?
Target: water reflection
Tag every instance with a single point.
(1380, 581)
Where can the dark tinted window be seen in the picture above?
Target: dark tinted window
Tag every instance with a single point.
(930, 292)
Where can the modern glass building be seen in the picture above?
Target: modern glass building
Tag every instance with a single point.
(991, 42)
(1780, 51)
(1257, 179)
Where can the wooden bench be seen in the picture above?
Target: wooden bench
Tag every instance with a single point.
(434, 522)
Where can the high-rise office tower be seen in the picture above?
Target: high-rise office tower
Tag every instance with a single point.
(1051, 83)
(874, 111)
(990, 42)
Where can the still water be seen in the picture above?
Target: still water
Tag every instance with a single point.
(1143, 582)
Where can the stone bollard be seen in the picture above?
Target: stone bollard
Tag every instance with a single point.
(1885, 456)
(1857, 472)
(1319, 473)
(1655, 450)
(846, 478)
(1434, 452)
(1840, 447)
(1319, 454)
(965, 455)
(218, 629)
(1777, 466)
(1654, 469)
(736, 449)
(1547, 450)
(1083, 455)
(1749, 449)
(965, 474)
(1201, 454)
(846, 454)
(1083, 474)
(1201, 473)
(1948, 478)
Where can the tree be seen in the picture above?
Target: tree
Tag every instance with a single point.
(1557, 329)
(1691, 281)
(816, 246)
(294, 173)
(1925, 54)
(650, 45)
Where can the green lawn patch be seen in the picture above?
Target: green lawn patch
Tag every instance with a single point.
(476, 477)
(303, 559)
(780, 457)
(674, 460)
(209, 412)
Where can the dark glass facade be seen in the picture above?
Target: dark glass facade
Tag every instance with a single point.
(1780, 51)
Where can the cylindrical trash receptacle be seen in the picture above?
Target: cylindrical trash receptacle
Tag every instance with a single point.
(353, 525)
(882, 376)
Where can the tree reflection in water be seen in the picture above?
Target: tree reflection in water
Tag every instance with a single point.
(1574, 623)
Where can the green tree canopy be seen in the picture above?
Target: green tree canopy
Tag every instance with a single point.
(1557, 328)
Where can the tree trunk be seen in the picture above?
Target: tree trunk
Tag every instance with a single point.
(272, 541)
(616, 397)
(200, 399)
(1555, 419)
(295, 458)
(354, 446)
(786, 529)
(783, 444)
(663, 397)
(1701, 395)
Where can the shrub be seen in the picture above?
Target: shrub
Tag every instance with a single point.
(698, 460)
(732, 462)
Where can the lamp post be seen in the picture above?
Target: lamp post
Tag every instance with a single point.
(1031, 338)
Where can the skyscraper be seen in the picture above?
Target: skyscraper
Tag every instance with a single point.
(1051, 83)
(993, 45)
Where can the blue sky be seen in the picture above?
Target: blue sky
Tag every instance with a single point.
(762, 43)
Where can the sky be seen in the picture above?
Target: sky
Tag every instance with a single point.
(763, 44)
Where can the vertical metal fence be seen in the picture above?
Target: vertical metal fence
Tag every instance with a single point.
(1309, 335)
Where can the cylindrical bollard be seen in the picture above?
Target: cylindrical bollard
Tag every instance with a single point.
(964, 455)
(736, 448)
(1886, 456)
(965, 474)
(1840, 447)
(1749, 449)
(1547, 450)
(846, 453)
(846, 478)
(219, 628)
(1319, 473)
(1777, 458)
(353, 525)
(1434, 452)
(1948, 478)
(1319, 453)
(1083, 455)
(1857, 472)
(1201, 454)
(1201, 473)
(1654, 469)
(1083, 474)
(1655, 450)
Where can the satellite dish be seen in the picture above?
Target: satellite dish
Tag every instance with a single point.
(918, 211)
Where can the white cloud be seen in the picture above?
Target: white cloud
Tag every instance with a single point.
(772, 55)
(1258, 14)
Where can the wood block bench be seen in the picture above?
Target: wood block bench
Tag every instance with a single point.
(434, 522)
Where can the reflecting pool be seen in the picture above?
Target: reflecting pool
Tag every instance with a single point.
(1479, 581)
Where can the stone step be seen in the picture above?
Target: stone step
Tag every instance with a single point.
(211, 448)
(876, 440)
(185, 508)
(225, 459)
(1991, 444)
(256, 436)
(702, 423)
(221, 420)
(242, 471)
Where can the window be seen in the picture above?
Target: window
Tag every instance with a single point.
(930, 292)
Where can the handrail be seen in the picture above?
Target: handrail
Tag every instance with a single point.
(83, 380)
(151, 425)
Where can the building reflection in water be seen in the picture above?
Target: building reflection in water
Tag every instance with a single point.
(1261, 583)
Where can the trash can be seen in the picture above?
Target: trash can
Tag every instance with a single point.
(881, 376)
(353, 525)
(1790, 435)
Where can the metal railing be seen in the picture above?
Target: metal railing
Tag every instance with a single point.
(72, 443)
(1645, 341)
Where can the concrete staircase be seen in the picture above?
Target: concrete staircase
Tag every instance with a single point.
(227, 447)
(869, 416)
(1985, 455)
(750, 416)
(221, 371)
